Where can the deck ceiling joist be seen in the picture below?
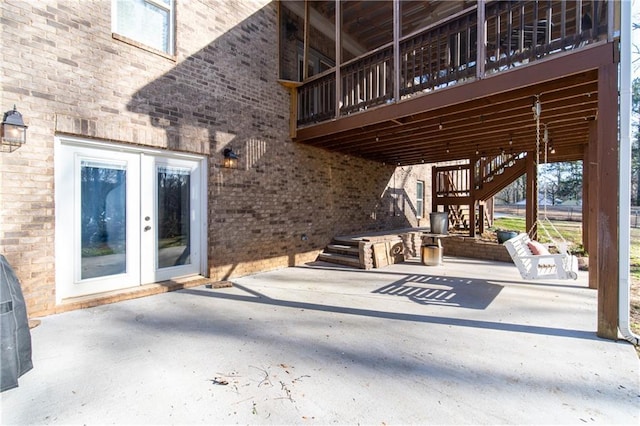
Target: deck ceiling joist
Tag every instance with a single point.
(489, 116)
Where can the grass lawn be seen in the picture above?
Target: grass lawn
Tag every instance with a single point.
(571, 231)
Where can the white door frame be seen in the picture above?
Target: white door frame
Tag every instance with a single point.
(66, 266)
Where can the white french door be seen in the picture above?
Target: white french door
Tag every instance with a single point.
(170, 214)
(126, 217)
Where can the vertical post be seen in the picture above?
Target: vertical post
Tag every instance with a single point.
(305, 47)
(585, 196)
(396, 50)
(338, 25)
(279, 39)
(578, 16)
(531, 214)
(610, 21)
(471, 181)
(434, 189)
(491, 208)
(481, 40)
(607, 201)
(591, 207)
(563, 20)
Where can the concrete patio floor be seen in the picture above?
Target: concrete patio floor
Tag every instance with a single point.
(467, 342)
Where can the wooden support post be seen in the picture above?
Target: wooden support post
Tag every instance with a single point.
(589, 207)
(434, 189)
(607, 202)
(531, 213)
(338, 18)
(481, 51)
(396, 50)
(481, 217)
(305, 44)
(471, 181)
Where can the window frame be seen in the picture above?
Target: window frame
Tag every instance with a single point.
(171, 8)
(419, 200)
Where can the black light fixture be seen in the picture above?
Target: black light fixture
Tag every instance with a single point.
(13, 131)
(230, 159)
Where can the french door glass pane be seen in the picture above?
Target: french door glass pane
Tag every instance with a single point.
(103, 219)
(174, 234)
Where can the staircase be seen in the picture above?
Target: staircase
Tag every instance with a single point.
(463, 189)
(458, 216)
(343, 251)
(374, 249)
(492, 176)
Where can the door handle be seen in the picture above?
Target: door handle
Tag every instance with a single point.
(147, 228)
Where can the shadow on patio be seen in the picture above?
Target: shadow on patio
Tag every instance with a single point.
(254, 296)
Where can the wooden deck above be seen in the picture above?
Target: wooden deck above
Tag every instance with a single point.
(465, 86)
(484, 117)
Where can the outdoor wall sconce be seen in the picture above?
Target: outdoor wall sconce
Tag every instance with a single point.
(13, 130)
(230, 159)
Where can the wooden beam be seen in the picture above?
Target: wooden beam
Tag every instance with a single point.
(450, 201)
(292, 86)
(607, 202)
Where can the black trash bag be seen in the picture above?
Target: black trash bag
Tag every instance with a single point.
(15, 337)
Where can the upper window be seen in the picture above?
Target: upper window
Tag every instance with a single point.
(149, 22)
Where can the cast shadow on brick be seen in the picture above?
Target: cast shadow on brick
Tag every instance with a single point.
(227, 95)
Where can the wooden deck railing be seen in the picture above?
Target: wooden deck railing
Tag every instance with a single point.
(451, 181)
(446, 53)
(367, 81)
(439, 56)
(317, 99)
(523, 31)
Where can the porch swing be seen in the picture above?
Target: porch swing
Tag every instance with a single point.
(533, 260)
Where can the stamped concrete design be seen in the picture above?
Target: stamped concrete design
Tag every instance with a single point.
(467, 342)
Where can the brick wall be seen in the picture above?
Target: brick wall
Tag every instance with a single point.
(458, 246)
(67, 74)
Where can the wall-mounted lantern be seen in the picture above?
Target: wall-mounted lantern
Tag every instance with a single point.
(230, 159)
(13, 130)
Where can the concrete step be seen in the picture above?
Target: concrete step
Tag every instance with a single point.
(340, 259)
(345, 249)
(347, 241)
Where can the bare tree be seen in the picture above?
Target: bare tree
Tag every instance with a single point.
(635, 29)
(635, 142)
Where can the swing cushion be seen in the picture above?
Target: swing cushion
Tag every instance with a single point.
(537, 248)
